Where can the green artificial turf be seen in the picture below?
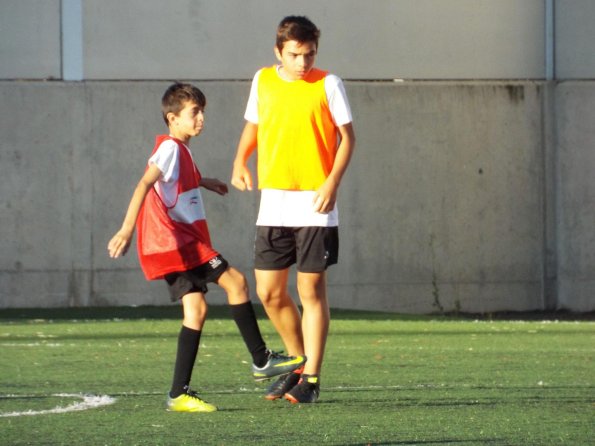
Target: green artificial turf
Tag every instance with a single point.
(387, 379)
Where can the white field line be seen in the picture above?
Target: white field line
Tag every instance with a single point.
(88, 402)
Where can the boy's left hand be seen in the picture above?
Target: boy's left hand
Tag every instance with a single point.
(325, 198)
(213, 184)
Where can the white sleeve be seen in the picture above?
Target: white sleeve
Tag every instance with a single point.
(337, 100)
(251, 114)
(166, 159)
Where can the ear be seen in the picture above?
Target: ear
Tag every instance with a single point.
(170, 117)
(277, 53)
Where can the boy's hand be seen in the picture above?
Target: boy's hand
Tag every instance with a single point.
(241, 178)
(325, 197)
(119, 244)
(213, 184)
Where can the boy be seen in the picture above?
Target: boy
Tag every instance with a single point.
(299, 118)
(174, 244)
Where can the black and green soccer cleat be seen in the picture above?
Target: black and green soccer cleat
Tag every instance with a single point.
(277, 364)
(282, 385)
(306, 391)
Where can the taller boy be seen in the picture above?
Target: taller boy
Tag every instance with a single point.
(299, 118)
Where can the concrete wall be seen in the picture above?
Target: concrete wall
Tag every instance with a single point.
(576, 207)
(432, 213)
(575, 52)
(443, 204)
(202, 39)
(463, 194)
(384, 39)
(30, 39)
(419, 39)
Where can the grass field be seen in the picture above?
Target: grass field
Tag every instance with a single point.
(388, 380)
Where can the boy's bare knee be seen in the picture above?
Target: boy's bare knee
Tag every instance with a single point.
(233, 282)
(242, 282)
(235, 285)
(271, 297)
(195, 307)
(195, 315)
(311, 287)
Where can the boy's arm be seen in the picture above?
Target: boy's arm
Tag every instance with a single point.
(120, 242)
(213, 184)
(326, 196)
(241, 178)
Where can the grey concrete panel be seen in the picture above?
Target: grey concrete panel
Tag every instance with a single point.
(576, 237)
(575, 34)
(384, 39)
(442, 205)
(41, 126)
(412, 39)
(30, 39)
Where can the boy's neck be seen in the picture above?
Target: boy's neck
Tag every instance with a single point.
(184, 139)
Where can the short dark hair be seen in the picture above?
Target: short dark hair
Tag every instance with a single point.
(177, 95)
(298, 28)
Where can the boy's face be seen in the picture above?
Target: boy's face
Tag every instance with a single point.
(297, 59)
(188, 123)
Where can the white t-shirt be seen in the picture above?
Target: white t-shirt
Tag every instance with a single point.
(296, 208)
(166, 158)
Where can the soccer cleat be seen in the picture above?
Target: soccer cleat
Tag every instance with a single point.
(189, 402)
(306, 391)
(283, 385)
(276, 365)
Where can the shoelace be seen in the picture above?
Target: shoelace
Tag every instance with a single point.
(191, 393)
(275, 355)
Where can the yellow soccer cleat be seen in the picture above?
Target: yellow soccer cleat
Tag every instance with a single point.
(189, 402)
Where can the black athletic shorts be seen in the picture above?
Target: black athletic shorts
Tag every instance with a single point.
(313, 249)
(195, 280)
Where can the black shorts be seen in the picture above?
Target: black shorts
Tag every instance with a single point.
(195, 280)
(313, 249)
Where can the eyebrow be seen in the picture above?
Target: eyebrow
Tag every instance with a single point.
(309, 53)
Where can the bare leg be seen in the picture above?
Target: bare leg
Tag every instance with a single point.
(271, 287)
(195, 310)
(235, 285)
(315, 319)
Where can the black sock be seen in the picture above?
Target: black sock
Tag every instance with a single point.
(188, 341)
(245, 319)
